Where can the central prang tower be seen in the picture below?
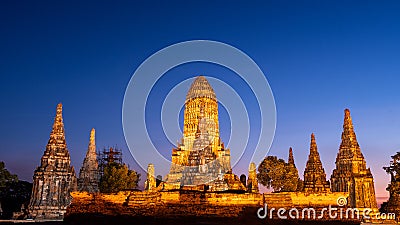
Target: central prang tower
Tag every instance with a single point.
(200, 157)
(201, 97)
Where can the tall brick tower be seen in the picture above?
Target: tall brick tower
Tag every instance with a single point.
(200, 156)
(89, 173)
(252, 183)
(351, 173)
(201, 96)
(291, 157)
(55, 177)
(314, 173)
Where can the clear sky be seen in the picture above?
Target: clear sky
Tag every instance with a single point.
(319, 57)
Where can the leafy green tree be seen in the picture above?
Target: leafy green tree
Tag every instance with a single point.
(277, 174)
(117, 177)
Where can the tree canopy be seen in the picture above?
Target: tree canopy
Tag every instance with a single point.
(394, 170)
(6, 177)
(13, 192)
(117, 177)
(277, 174)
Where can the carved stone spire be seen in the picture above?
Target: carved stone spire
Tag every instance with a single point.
(91, 152)
(57, 141)
(291, 163)
(89, 175)
(291, 158)
(314, 173)
(313, 145)
(92, 140)
(349, 146)
(351, 173)
(55, 177)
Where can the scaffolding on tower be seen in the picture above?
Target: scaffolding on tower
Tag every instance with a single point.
(109, 155)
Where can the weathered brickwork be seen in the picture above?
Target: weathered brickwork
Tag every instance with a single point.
(201, 157)
(55, 177)
(192, 203)
(314, 173)
(89, 173)
(351, 173)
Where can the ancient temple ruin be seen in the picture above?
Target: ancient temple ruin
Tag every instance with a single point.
(252, 183)
(351, 173)
(89, 173)
(201, 157)
(291, 162)
(314, 173)
(150, 183)
(55, 177)
(202, 166)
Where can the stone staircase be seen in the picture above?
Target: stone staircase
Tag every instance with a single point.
(143, 198)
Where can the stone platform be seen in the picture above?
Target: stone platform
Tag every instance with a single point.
(191, 203)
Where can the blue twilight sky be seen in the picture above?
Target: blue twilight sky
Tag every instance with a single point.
(319, 57)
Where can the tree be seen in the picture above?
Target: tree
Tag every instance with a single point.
(393, 205)
(117, 177)
(13, 192)
(277, 174)
(6, 177)
(394, 170)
